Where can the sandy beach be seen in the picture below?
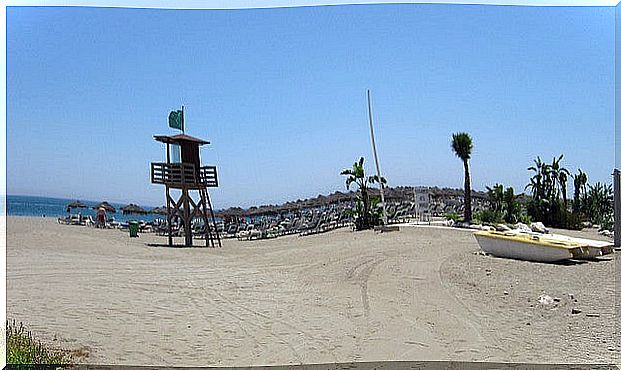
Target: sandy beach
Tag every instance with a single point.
(417, 294)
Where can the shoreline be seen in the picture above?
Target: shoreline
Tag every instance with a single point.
(421, 293)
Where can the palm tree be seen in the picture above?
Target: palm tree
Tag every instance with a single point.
(496, 197)
(543, 182)
(356, 175)
(462, 147)
(513, 208)
(562, 178)
(536, 182)
(559, 176)
(580, 181)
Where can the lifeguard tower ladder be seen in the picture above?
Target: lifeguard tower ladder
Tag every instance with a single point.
(187, 174)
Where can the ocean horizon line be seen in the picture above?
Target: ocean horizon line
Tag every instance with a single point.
(84, 200)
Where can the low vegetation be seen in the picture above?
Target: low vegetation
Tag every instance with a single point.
(452, 216)
(23, 349)
(504, 207)
(367, 213)
(548, 186)
(548, 202)
(597, 205)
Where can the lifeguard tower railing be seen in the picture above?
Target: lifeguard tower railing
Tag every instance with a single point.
(180, 175)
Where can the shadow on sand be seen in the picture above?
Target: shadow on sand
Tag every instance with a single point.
(165, 245)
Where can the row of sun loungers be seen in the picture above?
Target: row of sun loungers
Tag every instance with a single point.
(76, 220)
(88, 221)
(302, 222)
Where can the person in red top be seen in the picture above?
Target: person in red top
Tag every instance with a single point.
(101, 217)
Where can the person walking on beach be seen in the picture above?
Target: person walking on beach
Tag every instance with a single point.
(101, 217)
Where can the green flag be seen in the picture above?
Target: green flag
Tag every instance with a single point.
(175, 119)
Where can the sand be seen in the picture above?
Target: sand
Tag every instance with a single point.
(418, 294)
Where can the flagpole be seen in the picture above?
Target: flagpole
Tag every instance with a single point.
(182, 120)
(384, 216)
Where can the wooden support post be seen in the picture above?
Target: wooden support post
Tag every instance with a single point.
(187, 220)
(207, 231)
(169, 217)
(213, 217)
(617, 207)
(168, 213)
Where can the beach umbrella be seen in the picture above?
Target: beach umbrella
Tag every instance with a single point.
(76, 204)
(160, 210)
(233, 212)
(263, 210)
(321, 200)
(252, 211)
(133, 209)
(106, 206)
(230, 212)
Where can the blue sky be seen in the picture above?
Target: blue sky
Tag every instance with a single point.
(281, 94)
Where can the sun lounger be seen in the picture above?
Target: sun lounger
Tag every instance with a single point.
(64, 220)
(75, 220)
(88, 221)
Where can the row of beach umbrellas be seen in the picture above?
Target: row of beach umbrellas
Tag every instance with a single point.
(128, 209)
(230, 212)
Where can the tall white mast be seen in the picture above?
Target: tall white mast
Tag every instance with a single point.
(377, 166)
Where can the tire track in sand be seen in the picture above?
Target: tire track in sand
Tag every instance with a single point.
(241, 321)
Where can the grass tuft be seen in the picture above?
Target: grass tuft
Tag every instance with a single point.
(23, 349)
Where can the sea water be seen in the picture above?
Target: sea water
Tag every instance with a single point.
(20, 205)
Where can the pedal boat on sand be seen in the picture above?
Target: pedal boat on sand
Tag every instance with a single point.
(596, 248)
(529, 247)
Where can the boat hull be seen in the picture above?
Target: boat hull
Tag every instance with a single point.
(527, 247)
(596, 248)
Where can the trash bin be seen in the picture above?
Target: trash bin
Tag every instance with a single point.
(133, 229)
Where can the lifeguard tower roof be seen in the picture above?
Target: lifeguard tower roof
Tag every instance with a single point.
(178, 139)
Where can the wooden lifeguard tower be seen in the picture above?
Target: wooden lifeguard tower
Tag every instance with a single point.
(187, 175)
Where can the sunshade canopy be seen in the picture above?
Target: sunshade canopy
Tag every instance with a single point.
(179, 139)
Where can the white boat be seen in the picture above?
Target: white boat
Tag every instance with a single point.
(530, 247)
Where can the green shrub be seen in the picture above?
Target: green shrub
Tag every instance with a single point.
(598, 203)
(608, 224)
(504, 203)
(453, 216)
(488, 216)
(553, 214)
(524, 218)
(23, 348)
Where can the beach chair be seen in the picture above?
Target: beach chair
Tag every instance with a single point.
(161, 229)
(177, 230)
(89, 222)
(199, 231)
(74, 220)
(64, 220)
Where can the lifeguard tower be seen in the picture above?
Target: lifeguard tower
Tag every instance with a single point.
(184, 173)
